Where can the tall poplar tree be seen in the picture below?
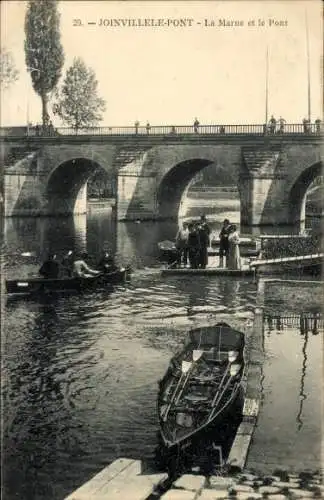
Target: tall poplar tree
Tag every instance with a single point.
(43, 49)
(78, 103)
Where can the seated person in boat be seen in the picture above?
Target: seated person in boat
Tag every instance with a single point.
(81, 268)
(223, 243)
(50, 268)
(181, 244)
(67, 264)
(107, 263)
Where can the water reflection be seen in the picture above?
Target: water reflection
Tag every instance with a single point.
(80, 373)
(302, 394)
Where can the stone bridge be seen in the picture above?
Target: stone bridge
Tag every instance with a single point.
(47, 174)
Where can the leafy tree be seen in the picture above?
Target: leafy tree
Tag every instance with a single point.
(43, 49)
(8, 71)
(78, 103)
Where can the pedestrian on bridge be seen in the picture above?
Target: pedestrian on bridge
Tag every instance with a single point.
(318, 125)
(272, 124)
(282, 122)
(148, 128)
(136, 124)
(196, 126)
(306, 125)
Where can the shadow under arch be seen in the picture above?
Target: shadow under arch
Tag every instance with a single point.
(66, 186)
(175, 184)
(298, 192)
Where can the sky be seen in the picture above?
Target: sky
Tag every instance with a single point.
(170, 74)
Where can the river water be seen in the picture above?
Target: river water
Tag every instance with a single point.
(80, 373)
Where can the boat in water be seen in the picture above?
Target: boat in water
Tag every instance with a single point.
(168, 251)
(201, 387)
(37, 286)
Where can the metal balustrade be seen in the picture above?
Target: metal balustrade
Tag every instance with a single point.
(167, 130)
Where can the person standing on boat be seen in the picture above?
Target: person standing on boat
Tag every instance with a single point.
(193, 246)
(81, 268)
(223, 243)
(234, 258)
(204, 238)
(181, 244)
(50, 268)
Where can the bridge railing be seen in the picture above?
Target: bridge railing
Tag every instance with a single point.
(168, 130)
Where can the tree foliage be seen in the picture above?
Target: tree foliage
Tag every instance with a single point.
(43, 49)
(8, 71)
(78, 103)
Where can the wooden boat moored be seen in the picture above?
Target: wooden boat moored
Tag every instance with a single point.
(306, 264)
(34, 286)
(201, 385)
(208, 271)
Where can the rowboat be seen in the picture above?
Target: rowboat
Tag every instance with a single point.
(201, 386)
(36, 286)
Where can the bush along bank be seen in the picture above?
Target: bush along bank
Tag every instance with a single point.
(290, 247)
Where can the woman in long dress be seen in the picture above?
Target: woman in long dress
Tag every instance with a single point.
(234, 258)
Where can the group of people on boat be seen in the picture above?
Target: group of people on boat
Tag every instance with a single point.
(193, 240)
(74, 265)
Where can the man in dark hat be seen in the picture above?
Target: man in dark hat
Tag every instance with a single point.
(107, 263)
(50, 268)
(223, 243)
(204, 238)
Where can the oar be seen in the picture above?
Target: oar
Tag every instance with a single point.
(234, 369)
(28, 254)
(232, 355)
(185, 366)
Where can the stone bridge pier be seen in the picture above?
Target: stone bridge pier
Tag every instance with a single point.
(272, 180)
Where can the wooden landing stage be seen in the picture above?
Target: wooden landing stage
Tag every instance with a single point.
(209, 271)
(121, 480)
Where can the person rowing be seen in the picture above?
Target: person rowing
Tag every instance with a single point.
(107, 263)
(67, 264)
(81, 268)
(50, 269)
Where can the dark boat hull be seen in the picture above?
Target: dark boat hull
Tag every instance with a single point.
(35, 286)
(210, 435)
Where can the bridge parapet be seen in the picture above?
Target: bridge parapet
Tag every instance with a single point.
(166, 130)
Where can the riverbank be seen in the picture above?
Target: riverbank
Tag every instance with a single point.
(125, 479)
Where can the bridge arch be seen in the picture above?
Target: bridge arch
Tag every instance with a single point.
(175, 184)
(298, 192)
(66, 191)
